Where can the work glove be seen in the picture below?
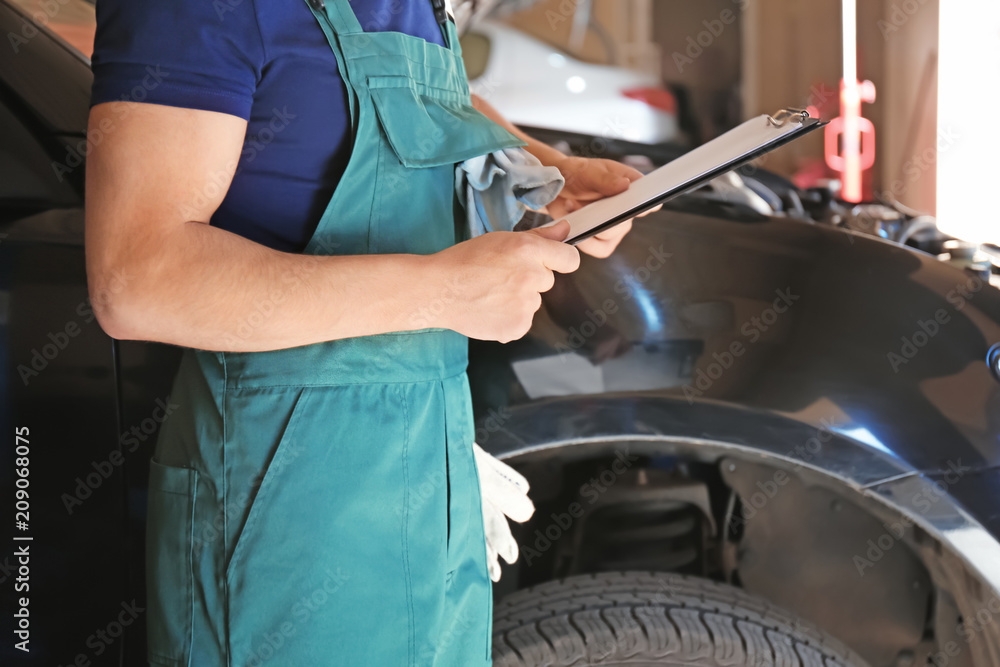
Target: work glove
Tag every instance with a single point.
(504, 491)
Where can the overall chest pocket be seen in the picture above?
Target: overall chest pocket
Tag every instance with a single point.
(424, 132)
(427, 126)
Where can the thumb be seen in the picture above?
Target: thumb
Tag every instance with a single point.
(556, 232)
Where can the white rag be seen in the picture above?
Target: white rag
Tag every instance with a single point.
(499, 187)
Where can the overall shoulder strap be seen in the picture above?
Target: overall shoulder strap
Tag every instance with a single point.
(335, 17)
(340, 13)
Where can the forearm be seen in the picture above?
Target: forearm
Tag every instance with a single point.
(546, 154)
(202, 287)
(157, 270)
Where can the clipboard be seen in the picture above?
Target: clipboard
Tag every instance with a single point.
(731, 150)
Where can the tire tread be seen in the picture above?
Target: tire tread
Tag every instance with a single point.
(635, 617)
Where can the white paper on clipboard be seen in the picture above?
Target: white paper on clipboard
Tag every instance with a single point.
(692, 170)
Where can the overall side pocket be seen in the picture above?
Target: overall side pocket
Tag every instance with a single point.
(267, 462)
(169, 566)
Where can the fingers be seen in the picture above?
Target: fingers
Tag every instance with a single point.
(487, 462)
(509, 475)
(617, 232)
(628, 172)
(598, 248)
(556, 232)
(563, 258)
(545, 281)
(598, 178)
(503, 487)
(518, 507)
(611, 183)
(510, 501)
(506, 545)
(559, 257)
(597, 183)
(603, 244)
(562, 206)
(494, 562)
(498, 534)
(652, 210)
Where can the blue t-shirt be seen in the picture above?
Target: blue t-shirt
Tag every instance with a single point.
(266, 61)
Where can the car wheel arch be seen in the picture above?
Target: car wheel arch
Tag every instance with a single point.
(520, 441)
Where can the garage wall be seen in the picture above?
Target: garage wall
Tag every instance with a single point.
(910, 102)
(897, 42)
(701, 43)
(624, 22)
(653, 36)
(739, 58)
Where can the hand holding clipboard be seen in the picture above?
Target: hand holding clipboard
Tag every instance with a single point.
(690, 171)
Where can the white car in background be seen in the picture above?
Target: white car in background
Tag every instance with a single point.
(536, 85)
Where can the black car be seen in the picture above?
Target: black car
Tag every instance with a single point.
(754, 436)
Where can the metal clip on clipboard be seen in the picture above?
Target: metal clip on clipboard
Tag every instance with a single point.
(731, 150)
(788, 115)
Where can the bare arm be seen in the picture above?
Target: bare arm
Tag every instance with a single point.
(547, 155)
(157, 270)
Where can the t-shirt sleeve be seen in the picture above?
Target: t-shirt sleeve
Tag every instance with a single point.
(197, 54)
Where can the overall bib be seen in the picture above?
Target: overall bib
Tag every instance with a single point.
(319, 505)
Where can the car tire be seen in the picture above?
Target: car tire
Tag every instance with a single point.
(644, 619)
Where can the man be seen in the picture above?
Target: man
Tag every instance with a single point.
(281, 204)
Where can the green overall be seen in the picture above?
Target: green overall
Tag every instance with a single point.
(319, 505)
